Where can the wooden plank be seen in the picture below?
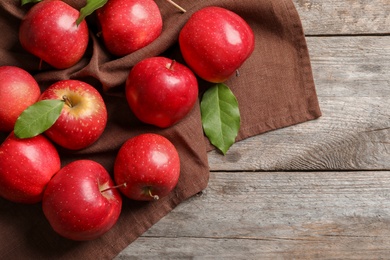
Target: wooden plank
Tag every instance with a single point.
(344, 17)
(353, 84)
(353, 134)
(276, 215)
(271, 248)
(351, 66)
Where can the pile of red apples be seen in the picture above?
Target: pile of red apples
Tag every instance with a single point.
(82, 200)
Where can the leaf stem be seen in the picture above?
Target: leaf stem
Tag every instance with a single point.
(177, 6)
(114, 187)
(155, 197)
(171, 65)
(90, 7)
(67, 101)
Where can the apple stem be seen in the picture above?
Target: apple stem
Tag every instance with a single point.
(171, 65)
(177, 6)
(155, 197)
(114, 187)
(67, 101)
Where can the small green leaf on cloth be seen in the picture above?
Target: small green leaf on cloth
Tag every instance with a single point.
(89, 8)
(220, 116)
(38, 117)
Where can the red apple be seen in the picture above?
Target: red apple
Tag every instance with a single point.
(83, 118)
(148, 167)
(18, 90)
(215, 42)
(161, 91)
(49, 31)
(80, 201)
(26, 166)
(129, 25)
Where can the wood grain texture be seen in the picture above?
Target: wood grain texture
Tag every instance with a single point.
(332, 17)
(352, 77)
(351, 66)
(278, 215)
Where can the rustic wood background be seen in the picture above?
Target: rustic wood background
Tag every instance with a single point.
(320, 189)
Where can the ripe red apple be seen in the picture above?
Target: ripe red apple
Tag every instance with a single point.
(18, 90)
(215, 42)
(80, 201)
(148, 167)
(161, 91)
(49, 31)
(26, 166)
(83, 117)
(129, 25)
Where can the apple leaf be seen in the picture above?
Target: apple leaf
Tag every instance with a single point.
(89, 8)
(23, 2)
(220, 116)
(38, 117)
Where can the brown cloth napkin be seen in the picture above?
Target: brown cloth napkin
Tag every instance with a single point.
(275, 89)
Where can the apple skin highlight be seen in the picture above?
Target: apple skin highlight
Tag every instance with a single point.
(149, 164)
(161, 91)
(75, 205)
(215, 42)
(83, 118)
(18, 90)
(129, 25)
(26, 167)
(59, 41)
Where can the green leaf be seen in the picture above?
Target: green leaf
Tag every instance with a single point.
(220, 116)
(89, 8)
(23, 2)
(38, 117)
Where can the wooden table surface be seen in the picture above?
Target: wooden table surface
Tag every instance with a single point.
(320, 189)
